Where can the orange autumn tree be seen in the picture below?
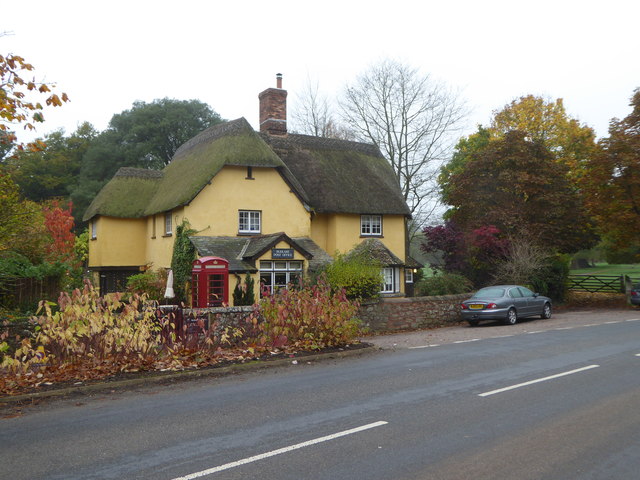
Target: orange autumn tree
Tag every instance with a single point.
(613, 181)
(22, 99)
(59, 223)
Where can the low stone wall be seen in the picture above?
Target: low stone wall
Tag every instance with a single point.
(219, 317)
(383, 315)
(394, 314)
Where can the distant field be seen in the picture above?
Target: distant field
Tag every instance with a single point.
(633, 270)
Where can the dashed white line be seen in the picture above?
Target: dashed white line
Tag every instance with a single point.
(633, 320)
(563, 328)
(425, 346)
(612, 322)
(512, 387)
(467, 341)
(272, 453)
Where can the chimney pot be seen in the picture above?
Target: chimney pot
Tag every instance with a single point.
(278, 80)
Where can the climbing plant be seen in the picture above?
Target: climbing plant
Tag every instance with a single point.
(184, 253)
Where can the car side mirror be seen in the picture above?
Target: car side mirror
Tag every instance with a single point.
(536, 295)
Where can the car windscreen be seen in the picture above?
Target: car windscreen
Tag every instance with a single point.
(490, 292)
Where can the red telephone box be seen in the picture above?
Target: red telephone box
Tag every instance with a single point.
(209, 282)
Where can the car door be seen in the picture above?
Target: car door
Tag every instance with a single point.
(518, 300)
(534, 303)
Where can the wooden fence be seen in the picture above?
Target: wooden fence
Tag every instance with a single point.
(601, 283)
(21, 292)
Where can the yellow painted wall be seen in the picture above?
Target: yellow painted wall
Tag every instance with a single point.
(341, 232)
(119, 242)
(214, 212)
(160, 246)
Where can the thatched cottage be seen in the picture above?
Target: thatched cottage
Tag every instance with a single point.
(272, 204)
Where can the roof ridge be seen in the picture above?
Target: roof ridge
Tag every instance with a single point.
(219, 130)
(138, 172)
(322, 143)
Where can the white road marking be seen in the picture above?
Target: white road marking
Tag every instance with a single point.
(612, 322)
(468, 341)
(633, 320)
(512, 387)
(272, 453)
(637, 354)
(425, 346)
(535, 331)
(563, 328)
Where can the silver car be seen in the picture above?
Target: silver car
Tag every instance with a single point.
(505, 302)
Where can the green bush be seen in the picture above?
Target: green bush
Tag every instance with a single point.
(243, 293)
(151, 283)
(360, 278)
(552, 280)
(443, 284)
(308, 318)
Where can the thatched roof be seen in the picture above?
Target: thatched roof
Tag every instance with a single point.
(127, 194)
(341, 176)
(327, 175)
(139, 192)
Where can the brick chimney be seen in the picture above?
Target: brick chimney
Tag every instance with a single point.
(273, 109)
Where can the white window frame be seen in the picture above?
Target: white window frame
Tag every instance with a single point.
(408, 275)
(371, 225)
(251, 223)
(389, 280)
(94, 229)
(268, 267)
(168, 224)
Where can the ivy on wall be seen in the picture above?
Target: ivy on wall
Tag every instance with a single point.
(184, 253)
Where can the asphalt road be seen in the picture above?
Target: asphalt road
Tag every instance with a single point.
(553, 399)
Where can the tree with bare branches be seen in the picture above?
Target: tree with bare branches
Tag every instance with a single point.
(413, 119)
(312, 114)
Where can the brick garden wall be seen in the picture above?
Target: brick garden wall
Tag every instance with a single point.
(394, 314)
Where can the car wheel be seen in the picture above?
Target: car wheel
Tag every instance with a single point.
(473, 323)
(546, 311)
(512, 317)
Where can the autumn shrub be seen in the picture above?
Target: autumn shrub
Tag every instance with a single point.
(575, 299)
(14, 325)
(443, 284)
(309, 318)
(88, 328)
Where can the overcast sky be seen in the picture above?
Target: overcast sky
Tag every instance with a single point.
(106, 55)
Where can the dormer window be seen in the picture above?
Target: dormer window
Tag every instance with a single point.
(248, 221)
(371, 225)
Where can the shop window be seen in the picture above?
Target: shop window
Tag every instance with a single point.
(277, 274)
